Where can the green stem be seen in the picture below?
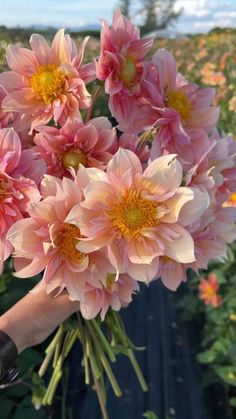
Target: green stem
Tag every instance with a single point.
(125, 342)
(91, 356)
(101, 394)
(50, 392)
(104, 361)
(85, 350)
(94, 99)
(137, 370)
(104, 341)
(50, 350)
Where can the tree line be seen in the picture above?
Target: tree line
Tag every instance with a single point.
(156, 14)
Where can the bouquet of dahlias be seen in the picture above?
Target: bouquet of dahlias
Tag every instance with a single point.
(100, 208)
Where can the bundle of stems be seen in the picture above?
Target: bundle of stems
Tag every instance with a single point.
(101, 342)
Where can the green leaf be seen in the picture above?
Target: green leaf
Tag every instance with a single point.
(233, 401)
(227, 374)
(150, 415)
(6, 408)
(206, 357)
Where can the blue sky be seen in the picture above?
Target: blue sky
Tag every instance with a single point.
(197, 16)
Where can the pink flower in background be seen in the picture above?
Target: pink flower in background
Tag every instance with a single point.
(122, 52)
(91, 144)
(180, 106)
(211, 234)
(134, 214)
(133, 142)
(208, 291)
(16, 191)
(46, 82)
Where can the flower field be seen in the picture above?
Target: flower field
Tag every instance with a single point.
(210, 62)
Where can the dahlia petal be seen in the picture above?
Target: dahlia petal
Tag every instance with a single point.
(165, 64)
(193, 210)
(11, 80)
(23, 238)
(59, 50)
(172, 274)
(10, 146)
(164, 173)
(144, 272)
(43, 211)
(180, 249)
(122, 161)
(142, 251)
(176, 203)
(40, 48)
(21, 60)
(35, 267)
(75, 284)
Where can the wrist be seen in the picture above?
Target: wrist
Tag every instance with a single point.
(11, 328)
(8, 357)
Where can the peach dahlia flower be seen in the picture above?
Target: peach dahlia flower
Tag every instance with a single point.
(46, 241)
(91, 144)
(135, 214)
(45, 82)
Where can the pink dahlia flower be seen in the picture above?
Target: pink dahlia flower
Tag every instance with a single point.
(180, 106)
(46, 241)
(109, 291)
(122, 52)
(46, 82)
(134, 214)
(167, 101)
(171, 272)
(16, 191)
(91, 144)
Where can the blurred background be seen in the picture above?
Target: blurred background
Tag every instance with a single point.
(190, 356)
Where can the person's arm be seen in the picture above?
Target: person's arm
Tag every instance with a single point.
(31, 320)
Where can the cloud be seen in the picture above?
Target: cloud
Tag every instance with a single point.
(203, 15)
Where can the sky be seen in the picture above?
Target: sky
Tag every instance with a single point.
(197, 15)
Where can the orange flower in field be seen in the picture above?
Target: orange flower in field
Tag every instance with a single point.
(208, 291)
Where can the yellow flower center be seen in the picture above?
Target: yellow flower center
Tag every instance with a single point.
(179, 101)
(232, 317)
(209, 291)
(69, 237)
(233, 197)
(111, 282)
(48, 83)
(133, 214)
(231, 376)
(128, 71)
(74, 158)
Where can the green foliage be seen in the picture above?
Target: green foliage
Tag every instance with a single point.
(219, 333)
(150, 415)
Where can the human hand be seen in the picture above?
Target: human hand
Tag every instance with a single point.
(32, 319)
